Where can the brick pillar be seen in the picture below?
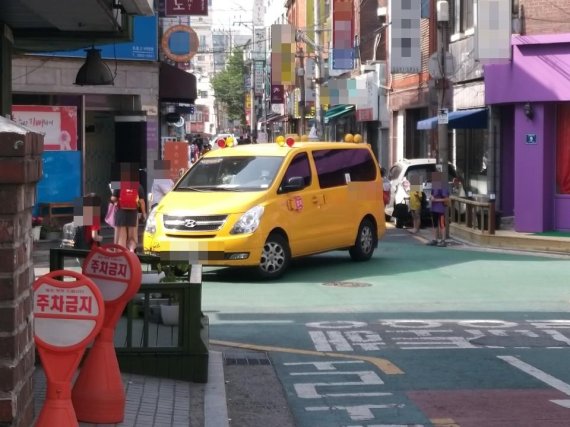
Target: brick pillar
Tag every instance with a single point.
(20, 169)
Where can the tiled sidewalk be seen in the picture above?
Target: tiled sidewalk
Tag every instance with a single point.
(150, 401)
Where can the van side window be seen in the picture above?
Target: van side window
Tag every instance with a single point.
(299, 166)
(333, 165)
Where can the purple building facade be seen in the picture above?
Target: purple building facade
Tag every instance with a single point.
(528, 92)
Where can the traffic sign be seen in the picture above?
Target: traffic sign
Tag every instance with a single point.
(442, 116)
(67, 317)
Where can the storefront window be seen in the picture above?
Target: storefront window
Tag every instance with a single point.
(563, 149)
(472, 158)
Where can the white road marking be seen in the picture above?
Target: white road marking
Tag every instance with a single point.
(357, 413)
(541, 376)
(309, 390)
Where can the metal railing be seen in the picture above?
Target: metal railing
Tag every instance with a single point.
(477, 215)
(144, 341)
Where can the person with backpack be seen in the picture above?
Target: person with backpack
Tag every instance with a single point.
(128, 194)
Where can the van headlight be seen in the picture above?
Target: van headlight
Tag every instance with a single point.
(249, 221)
(150, 226)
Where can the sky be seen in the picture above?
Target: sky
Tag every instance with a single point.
(226, 12)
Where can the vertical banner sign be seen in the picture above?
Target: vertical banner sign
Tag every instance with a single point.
(283, 48)
(343, 34)
(258, 67)
(258, 13)
(493, 40)
(57, 123)
(259, 45)
(67, 317)
(405, 49)
(98, 394)
(277, 94)
(177, 153)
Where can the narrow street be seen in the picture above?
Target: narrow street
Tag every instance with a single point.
(418, 336)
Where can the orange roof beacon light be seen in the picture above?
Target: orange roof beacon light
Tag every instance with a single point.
(348, 137)
(290, 141)
(221, 143)
(358, 138)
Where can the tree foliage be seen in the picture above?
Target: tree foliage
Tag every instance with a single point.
(229, 88)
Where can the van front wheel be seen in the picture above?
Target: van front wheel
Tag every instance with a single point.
(365, 242)
(275, 257)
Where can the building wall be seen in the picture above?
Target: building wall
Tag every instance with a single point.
(136, 83)
(545, 16)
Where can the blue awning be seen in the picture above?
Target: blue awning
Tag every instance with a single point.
(475, 118)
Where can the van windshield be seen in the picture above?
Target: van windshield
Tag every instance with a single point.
(240, 173)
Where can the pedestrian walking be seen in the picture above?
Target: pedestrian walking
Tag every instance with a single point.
(128, 194)
(439, 202)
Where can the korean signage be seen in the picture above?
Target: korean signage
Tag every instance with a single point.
(260, 38)
(366, 96)
(58, 124)
(177, 153)
(186, 7)
(283, 48)
(343, 34)
(258, 78)
(65, 312)
(68, 315)
(405, 49)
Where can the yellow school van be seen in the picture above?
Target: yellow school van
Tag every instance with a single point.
(261, 205)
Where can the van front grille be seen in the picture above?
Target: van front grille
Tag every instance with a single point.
(193, 223)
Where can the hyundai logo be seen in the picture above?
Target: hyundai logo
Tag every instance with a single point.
(189, 223)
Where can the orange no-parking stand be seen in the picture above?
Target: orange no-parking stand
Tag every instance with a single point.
(67, 316)
(98, 394)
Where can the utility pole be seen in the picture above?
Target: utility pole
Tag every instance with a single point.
(318, 65)
(301, 84)
(442, 140)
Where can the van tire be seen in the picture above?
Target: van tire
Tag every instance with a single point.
(275, 257)
(366, 241)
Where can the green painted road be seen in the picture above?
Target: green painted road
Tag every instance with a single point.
(419, 335)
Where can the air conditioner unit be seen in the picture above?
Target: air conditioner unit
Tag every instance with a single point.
(138, 7)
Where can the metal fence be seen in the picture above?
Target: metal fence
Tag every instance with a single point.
(162, 331)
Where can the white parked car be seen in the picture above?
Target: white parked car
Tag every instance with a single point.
(400, 175)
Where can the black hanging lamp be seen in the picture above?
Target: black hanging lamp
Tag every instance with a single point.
(94, 72)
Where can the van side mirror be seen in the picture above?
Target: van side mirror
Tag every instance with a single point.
(294, 183)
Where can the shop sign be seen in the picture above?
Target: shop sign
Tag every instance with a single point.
(366, 95)
(258, 78)
(186, 7)
(57, 123)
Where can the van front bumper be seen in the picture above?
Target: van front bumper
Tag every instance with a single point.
(235, 250)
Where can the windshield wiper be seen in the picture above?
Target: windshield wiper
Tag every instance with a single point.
(193, 188)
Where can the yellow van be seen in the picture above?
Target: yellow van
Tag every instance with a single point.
(261, 205)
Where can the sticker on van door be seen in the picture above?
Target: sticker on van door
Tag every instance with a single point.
(295, 204)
